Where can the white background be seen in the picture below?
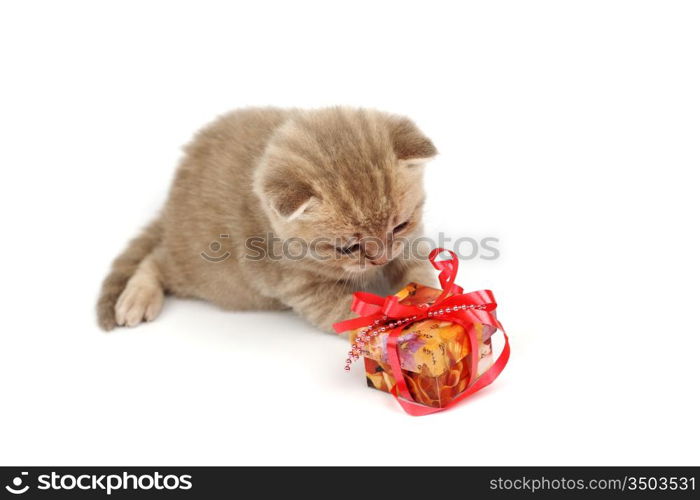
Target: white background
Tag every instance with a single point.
(569, 130)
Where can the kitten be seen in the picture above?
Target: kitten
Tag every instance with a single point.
(349, 180)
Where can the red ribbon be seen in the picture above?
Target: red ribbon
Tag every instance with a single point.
(452, 305)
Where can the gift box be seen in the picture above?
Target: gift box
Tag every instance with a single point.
(435, 355)
(429, 347)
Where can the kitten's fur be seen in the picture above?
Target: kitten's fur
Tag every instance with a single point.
(336, 173)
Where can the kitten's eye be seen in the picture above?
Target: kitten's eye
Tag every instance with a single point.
(401, 227)
(348, 250)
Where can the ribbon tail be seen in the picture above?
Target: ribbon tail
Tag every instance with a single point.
(412, 408)
(354, 323)
(489, 375)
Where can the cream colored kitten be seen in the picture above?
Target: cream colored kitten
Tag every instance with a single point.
(349, 180)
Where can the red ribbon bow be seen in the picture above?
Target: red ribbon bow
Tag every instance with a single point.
(465, 309)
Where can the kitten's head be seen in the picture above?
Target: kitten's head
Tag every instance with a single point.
(348, 182)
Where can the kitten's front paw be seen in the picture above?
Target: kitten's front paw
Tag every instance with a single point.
(140, 301)
(423, 275)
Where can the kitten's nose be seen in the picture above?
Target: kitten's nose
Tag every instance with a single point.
(375, 251)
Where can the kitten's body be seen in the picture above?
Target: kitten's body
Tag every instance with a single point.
(335, 172)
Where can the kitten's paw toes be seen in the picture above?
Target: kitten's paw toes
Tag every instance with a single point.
(138, 302)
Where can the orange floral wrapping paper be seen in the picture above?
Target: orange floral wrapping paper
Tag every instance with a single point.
(434, 354)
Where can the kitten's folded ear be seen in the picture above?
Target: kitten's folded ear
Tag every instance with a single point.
(411, 146)
(286, 197)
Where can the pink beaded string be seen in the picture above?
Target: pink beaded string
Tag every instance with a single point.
(369, 333)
